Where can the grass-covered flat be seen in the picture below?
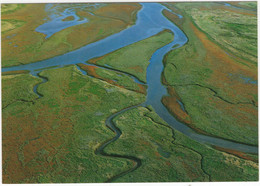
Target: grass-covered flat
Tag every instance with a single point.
(134, 58)
(235, 32)
(23, 92)
(21, 44)
(54, 138)
(169, 156)
(210, 82)
(8, 8)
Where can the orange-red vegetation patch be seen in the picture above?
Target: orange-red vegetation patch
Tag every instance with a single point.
(237, 3)
(96, 29)
(174, 18)
(234, 3)
(137, 68)
(245, 114)
(165, 82)
(223, 65)
(142, 88)
(31, 142)
(122, 11)
(230, 9)
(218, 53)
(83, 14)
(157, 155)
(16, 72)
(218, 56)
(24, 36)
(145, 143)
(94, 60)
(171, 103)
(168, 163)
(238, 11)
(174, 107)
(91, 70)
(189, 169)
(69, 18)
(172, 92)
(237, 153)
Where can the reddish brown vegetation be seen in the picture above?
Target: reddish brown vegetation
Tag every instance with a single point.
(94, 60)
(69, 18)
(174, 18)
(91, 70)
(25, 35)
(168, 163)
(238, 11)
(123, 12)
(16, 72)
(230, 9)
(137, 68)
(224, 65)
(237, 153)
(35, 152)
(142, 88)
(171, 102)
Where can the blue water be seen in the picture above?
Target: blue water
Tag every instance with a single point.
(248, 80)
(245, 79)
(147, 25)
(180, 16)
(149, 22)
(227, 4)
(11, 36)
(56, 23)
(106, 65)
(181, 104)
(82, 71)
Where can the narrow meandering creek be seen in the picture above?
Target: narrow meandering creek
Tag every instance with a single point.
(150, 21)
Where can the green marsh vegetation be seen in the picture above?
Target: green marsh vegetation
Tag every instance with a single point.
(235, 32)
(8, 8)
(134, 58)
(66, 125)
(23, 90)
(11, 24)
(169, 156)
(207, 79)
(250, 5)
(54, 139)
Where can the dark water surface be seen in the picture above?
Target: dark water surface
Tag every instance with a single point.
(149, 22)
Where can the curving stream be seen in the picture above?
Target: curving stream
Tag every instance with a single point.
(149, 22)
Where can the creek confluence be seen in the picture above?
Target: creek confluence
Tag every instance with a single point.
(150, 21)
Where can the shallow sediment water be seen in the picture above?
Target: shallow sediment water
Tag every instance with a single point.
(56, 18)
(150, 21)
(243, 8)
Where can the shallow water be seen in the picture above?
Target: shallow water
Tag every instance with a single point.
(56, 22)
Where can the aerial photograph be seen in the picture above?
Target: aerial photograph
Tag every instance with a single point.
(129, 92)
